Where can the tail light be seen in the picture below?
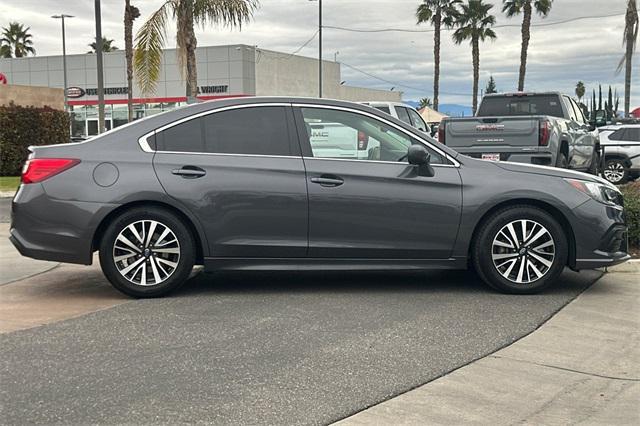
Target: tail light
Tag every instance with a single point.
(441, 133)
(38, 169)
(363, 141)
(545, 133)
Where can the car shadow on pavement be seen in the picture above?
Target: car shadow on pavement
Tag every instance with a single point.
(354, 282)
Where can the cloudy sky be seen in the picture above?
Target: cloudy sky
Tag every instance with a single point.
(559, 55)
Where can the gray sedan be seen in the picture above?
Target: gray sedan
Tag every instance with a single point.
(237, 185)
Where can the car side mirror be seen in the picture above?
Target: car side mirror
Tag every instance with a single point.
(418, 156)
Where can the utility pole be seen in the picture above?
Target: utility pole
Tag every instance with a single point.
(64, 57)
(100, 67)
(320, 48)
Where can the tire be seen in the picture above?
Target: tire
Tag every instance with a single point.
(616, 172)
(492, 258)
(158, 268)
(562, 161)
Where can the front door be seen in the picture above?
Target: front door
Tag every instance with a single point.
(240, 173)
(374, 205)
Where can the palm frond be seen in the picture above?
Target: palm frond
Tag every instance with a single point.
(424, 13)
(150, 40)
(226, 13)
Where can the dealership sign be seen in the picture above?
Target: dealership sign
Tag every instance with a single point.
(75, 92)
(78, 92)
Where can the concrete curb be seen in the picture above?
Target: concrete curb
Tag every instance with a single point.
(7, 194)
(631, 266)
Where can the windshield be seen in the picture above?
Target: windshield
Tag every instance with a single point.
(494, 106)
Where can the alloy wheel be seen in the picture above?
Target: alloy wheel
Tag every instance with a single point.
(146, 252)
(523, 251)
(614, 172)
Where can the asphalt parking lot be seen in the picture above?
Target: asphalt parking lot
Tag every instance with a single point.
(254, 348)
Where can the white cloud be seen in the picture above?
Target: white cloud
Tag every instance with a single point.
(559, 55)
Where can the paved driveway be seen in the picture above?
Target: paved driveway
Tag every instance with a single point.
(258, 348)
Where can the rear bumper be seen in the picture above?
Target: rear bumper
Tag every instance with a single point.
(534, 155)
(56, 230)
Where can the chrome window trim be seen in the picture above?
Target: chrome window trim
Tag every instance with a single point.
(389, 123)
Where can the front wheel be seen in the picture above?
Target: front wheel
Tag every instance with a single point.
(147, 252)
(520, 249)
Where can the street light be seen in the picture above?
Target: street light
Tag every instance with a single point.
(319, 47)
(64, 56)
(99, 66)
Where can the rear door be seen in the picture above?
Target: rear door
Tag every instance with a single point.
(239, 171)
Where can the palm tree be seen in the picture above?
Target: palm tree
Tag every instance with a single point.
(151, 36)
(515, 7)
(5, 51)
(107, 46)
(18, 41)
(474, 23)
(629, 42)
(580, 91)
(438, 12)
(130, 14)
(425, 102)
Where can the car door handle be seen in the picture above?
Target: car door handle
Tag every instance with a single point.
(329, 181)
(189, 172)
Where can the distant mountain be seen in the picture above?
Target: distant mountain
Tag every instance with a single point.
(452, 110)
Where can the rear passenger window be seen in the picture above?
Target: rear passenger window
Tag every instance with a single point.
(255, 130)
(183, 137)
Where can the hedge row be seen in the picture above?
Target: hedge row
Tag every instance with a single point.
(21, 127)
(631, 194)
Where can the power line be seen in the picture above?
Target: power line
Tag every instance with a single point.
(289, 55)
(395, 84)
(403, 30)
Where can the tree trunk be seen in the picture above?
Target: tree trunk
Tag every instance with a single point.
(526, 36)
(436, 54)
(628, 65)
(128, 52)
(185, 25)
(475, 52)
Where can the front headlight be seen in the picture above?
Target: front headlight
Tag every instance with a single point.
(603, 193)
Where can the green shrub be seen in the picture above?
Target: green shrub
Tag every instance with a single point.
(21, 127)
(631, 194)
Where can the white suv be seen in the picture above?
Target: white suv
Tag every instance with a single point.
(621, 145)
(402, 112)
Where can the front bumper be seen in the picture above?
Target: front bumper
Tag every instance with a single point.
(600, 235)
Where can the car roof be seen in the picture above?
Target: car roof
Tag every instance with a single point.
(375, 103)
(491, 95)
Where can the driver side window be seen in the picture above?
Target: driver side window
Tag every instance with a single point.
(347, 135)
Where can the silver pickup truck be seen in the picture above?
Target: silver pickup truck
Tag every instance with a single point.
(547, 129)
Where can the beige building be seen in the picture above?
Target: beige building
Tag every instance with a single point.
(31, 96)
(223, 71)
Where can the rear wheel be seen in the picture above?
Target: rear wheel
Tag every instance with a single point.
(520, 249)
(615, 171)
(147, 252)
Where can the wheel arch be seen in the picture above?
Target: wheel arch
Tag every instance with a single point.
(100, 230)
(549, 208)
(617, 156)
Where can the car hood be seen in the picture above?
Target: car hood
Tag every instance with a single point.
(549, 171)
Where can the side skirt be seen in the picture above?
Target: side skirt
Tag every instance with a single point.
(327, 264)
